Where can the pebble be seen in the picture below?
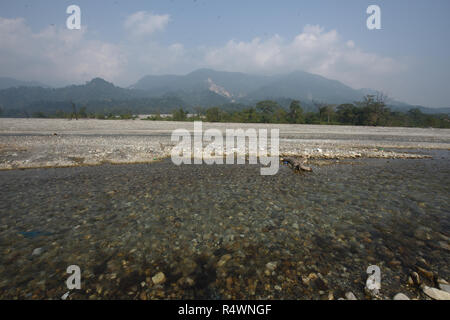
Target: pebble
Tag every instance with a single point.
(373, 293)
(410, 281)
(436, 294)
(229, 283)
(415, 277)
(350, 296)
(271, 266)
(223, 260)
(421, 233)
(444, 245)
(65, 295)
(444, 287)
(37, 251)
(305, 281)
(159, 278)
(327, 244)
(189, 281)
(395, 263)
(425, 273)
(401, 296)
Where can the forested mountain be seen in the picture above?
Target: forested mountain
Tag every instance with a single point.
(203, 88)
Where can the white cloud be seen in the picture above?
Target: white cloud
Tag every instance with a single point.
(56, 55)
(144, 23)
(313, 50)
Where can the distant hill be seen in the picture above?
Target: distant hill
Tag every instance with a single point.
(235, 83)
(201, 88)
(306, 87)
(96, 89)
(235, 86)
(246, 89)
(96, 95)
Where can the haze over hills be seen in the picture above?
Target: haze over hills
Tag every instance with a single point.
(6, 83)
(203, 87)
(249, 88)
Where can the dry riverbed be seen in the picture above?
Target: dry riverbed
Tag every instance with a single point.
(34, 143)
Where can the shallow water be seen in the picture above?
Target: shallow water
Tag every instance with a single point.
(122, 224)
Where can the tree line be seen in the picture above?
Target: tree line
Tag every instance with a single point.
(83, 113)
(370, 111)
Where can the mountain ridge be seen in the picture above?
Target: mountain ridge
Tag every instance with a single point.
(202, 87)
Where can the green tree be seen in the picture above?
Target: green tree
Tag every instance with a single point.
(213, 114)
(312, 118)
(266, 109)
(39, 114)
(295, 114)
(83, 113)
(279, 116)
(74, 111)
(347, 113)
(373, 110)
(326, 113)
(155, 117)
(249, 115)
(199, 112)
(179, 115)
(416, 117)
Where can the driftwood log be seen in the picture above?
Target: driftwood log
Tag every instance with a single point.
(296, 164)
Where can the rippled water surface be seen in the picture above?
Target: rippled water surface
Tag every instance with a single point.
(212, 230)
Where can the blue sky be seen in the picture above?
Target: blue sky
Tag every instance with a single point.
(125, 40)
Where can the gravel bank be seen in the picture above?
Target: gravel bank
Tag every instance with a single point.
(28, 143)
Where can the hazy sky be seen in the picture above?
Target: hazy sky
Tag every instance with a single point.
(122, 41)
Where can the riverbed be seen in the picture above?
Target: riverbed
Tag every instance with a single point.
(160, 231)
